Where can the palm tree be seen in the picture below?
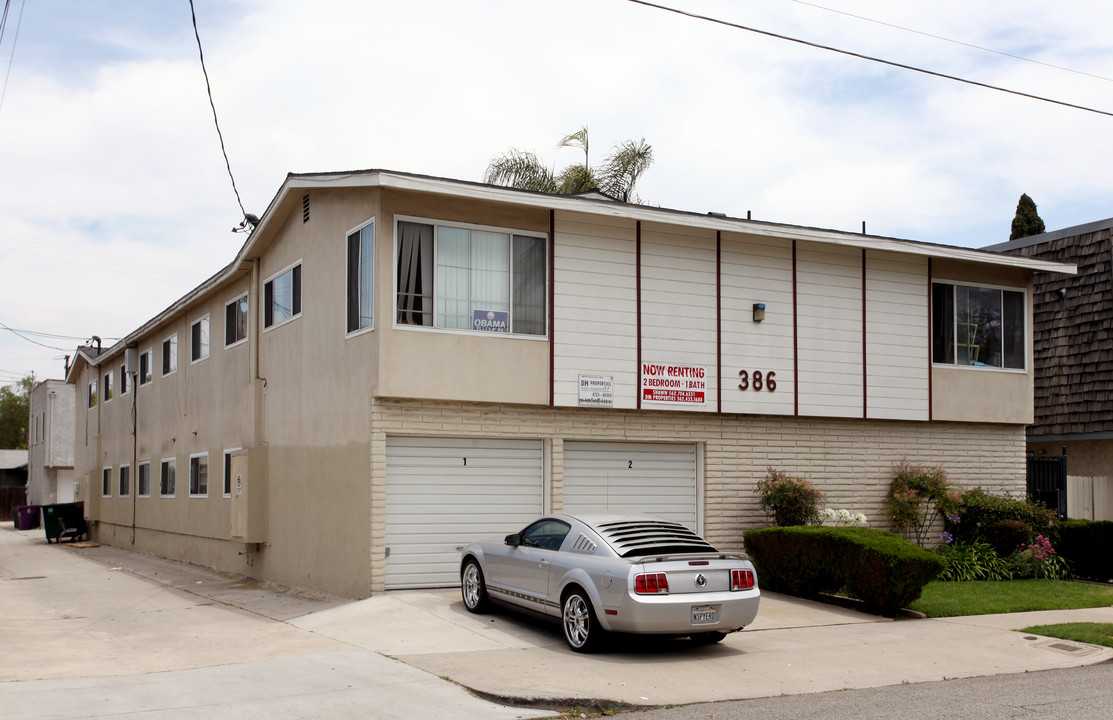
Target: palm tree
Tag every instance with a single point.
(616, 177)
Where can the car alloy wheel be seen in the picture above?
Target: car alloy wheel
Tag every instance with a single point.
(581, 629)
(472, 587)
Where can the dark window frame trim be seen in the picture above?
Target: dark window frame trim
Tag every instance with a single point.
(297, 287)
(348, 279)
(955, 365)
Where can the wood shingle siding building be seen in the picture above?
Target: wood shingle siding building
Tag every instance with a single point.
(1073, 373)
(394, 365)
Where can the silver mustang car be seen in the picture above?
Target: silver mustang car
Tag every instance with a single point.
(618, 573)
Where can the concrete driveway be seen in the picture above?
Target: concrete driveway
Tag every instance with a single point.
(101, 631)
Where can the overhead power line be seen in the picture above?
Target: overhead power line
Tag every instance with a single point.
(33, 342)
(870, 58)
(951, 40)
(216, 121)
(11, 58)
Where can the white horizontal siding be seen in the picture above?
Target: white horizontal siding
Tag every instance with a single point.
(595, 306)
(829, 330)
(678, 305)
(896, 337)
(757, 270)
(654, 478)
(436, 502)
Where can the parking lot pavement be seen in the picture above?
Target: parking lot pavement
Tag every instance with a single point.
(119, 632)
(92, 636)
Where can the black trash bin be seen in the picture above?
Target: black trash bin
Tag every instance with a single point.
(26, 517)
(64, 521)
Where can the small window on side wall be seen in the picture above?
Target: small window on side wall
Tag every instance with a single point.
(282, 297)
(361, 270)
(199, 340)
(170, 355)
(235, 321)
(146, 366)
(92, 393)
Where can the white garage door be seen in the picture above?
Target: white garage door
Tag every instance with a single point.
(654, 478)
(442, 493)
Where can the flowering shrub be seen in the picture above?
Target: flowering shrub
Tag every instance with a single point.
(789, 500)
(917, 496)
(1039, 560)
(837, 518)
(1002, 520)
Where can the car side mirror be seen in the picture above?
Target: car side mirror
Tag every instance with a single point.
(514, 540)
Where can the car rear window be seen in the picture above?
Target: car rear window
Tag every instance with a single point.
(637, 538)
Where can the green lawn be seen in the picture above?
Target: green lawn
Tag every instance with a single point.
(1093, 633)
(949, 599)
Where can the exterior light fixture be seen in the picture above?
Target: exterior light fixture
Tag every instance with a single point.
(759, 312)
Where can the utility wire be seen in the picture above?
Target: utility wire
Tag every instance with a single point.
(33, 342)
(951, 40)
(11, 58)
(870, 58)
(216, 122)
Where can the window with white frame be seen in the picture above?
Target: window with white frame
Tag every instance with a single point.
(199, 475)
(470, 278)
(125, 380)
(92, 393)
(143, 479)
(146, 366)
(106, 482)
(199, 340)
(125, 481)
(170, 355)
(106, 389)
(978, 326)
(166, 478)
(228, 471)
(361, 276)
(282, 297)
(235, 321)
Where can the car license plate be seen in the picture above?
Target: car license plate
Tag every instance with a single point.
(704, 614)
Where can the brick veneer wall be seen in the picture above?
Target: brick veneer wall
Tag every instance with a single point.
(850, 461)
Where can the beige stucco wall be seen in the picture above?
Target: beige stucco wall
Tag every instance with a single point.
(850, 461)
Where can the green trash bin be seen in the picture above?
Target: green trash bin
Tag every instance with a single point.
(63, 521)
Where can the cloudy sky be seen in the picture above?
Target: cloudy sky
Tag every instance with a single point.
(115, 201)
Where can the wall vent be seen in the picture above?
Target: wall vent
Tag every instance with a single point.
(305, 208)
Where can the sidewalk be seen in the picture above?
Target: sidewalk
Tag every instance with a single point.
(102, 631)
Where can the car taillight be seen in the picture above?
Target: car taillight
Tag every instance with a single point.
(741, 580)
(651, 584)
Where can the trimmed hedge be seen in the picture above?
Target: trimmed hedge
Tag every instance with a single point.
(883, 570)
(1085, 544)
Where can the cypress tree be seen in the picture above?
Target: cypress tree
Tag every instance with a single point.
(1027, 221)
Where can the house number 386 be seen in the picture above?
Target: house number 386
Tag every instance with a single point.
(757, 380)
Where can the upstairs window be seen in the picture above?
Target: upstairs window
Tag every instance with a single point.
(361, 269)
(170, 355)
(199, 475)
(476, 279)
(125, 385)
(143, 486)
(282, 297)
(107, 387)
(199, 340)
(235, 321)
(92, 393)
(978, 326)
(146, 366)
(125, 480)
(106, 482)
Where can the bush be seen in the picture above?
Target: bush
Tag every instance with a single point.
(1085, 545)
(789, 500)
(998, 520)
(973, 561)
(916, 498)
(883, 570)
(1039, 561)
